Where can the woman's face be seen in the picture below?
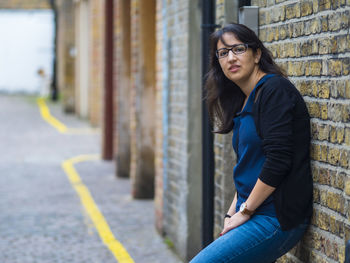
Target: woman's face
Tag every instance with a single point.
(237, 68)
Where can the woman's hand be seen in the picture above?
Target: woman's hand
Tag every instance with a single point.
(235, 221)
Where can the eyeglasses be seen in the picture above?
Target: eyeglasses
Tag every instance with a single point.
(236, 49)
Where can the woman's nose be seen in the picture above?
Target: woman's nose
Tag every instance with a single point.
(231, 55)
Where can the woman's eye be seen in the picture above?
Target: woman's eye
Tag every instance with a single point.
(223, 53)
(239, 49)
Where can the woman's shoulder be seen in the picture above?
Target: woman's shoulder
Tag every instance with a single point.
(278, 85)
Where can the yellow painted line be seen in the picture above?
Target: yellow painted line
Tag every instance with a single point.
(46, 115)
(91, 208)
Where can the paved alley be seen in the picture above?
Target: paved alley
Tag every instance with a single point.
(42, 218)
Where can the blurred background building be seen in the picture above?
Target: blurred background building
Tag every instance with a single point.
(135, 69)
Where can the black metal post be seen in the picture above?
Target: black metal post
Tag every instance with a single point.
(54, 91)
(208, 26)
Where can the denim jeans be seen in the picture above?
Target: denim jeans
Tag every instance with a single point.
(259, 240)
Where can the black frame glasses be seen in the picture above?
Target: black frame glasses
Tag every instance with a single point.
(236, 49)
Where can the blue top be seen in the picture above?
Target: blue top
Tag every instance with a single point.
(250, 157)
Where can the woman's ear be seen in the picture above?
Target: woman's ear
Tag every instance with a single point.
(257, 56)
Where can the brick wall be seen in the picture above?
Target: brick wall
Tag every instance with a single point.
(65, 54)
(25, 4)
(96, 61)
(310, 40)
(178, 154)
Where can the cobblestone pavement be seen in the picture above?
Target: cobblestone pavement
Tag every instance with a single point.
(41, 218)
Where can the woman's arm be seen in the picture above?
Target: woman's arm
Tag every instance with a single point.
(260, 192)
(232, 209)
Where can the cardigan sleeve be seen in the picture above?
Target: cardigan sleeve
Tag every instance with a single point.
(276, 117)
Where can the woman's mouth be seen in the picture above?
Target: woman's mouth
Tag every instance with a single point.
(234, 68)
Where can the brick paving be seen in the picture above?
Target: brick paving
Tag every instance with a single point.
(42, 219)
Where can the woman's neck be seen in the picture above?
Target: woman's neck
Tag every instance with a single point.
(248, 85)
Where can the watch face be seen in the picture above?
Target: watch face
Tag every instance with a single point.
(242, 207)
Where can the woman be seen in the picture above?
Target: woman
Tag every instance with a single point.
(248, 93)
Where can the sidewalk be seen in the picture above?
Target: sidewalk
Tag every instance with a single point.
(42, 217)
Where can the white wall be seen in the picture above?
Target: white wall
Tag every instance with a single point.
(27, 39)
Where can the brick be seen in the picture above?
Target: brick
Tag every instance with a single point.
(314, 109)
(313, 68)
(345, 66)
(306, 8)
(335, 111)
(323, 45)
(296, 68)
(337, 134)
(297, 29)
(335, 67)
(282, 32)
(342, 43)
(324, 23)
(335, 202)
(323, 90)
(347, 187)
(324, 153)
(345, 113)
(347, 89)
(292, 10)
(277, 14)
(333, 156)
(324, 5)
(335, 21)
(344, 159)
(315, 6)
(347, 137)
(316, 195)
(324, 111)
(337, 179)
(324, 177)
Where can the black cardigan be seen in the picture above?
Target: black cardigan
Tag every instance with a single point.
(283, 123)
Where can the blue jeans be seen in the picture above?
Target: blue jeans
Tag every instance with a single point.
(259, 240)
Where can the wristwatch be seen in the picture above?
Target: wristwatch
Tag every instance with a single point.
(244, 210)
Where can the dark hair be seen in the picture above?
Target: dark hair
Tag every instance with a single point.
(224, 97)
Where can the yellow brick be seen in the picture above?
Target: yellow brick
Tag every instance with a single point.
(324, 5)
(347, 89)
(344, 159)
(345, 66)
(324, 44)
(322, 221)
(335, 202)
(292, 10)
(282, 32)
(341, 254)
(315, 6)
(316, 25)
(323, 197)
(306, 8)
(347, 137)
(324, 153)
(323, 90)
(347, 187)
(314, 109)
(313, 68)
(324, 111)
(333, 156)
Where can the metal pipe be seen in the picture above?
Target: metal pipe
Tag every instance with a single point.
(208, 26)
(107, 144)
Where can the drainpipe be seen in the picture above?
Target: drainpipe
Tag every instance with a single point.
(208, 26)
(54, 92)
(107, 141)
